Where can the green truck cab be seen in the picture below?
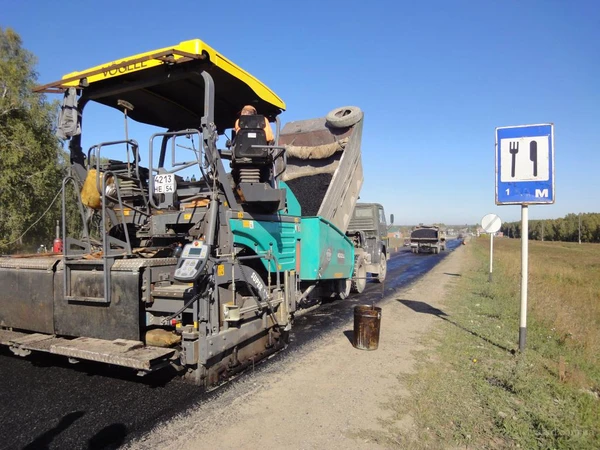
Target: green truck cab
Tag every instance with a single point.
(368, 230)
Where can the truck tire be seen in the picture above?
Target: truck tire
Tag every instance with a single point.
(344, 117)
(344, 288)
(382, 269)
(360, 281)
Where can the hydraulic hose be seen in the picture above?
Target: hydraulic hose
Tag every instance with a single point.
(186, 305)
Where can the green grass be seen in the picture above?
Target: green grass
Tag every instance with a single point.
(473, 388)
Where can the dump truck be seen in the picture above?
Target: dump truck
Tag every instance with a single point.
(427, 239)
(206, 274)
(324, 171)
(368, 231)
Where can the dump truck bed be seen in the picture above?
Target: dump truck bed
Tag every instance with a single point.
(425, 234)
(324, 168)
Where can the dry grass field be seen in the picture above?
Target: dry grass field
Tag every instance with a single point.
(474, 389)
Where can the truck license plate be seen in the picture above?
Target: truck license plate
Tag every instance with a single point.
(164, 184)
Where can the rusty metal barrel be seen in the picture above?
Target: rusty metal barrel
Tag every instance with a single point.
(367, 323)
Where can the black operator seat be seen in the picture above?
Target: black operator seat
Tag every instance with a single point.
(252, 167)
(251, 133)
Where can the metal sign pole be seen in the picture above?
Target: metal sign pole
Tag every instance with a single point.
(491, 224)
(525, 176)
(491, 256)
(524, 272)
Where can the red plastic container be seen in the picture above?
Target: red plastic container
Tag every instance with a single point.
(57, 245)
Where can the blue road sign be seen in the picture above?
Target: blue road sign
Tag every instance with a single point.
(525, 165)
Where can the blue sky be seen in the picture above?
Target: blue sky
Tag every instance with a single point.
(434, 79)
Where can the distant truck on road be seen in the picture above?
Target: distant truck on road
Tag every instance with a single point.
(427, 239)
(368, 230)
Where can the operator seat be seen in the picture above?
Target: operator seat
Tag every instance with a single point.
(250, 138)
(252, 167)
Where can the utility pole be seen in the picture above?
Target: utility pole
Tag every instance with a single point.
(542, 231)
(580, 228)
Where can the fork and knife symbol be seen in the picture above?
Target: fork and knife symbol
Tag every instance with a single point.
(533, 156)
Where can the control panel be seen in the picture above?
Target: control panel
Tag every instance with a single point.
(191, 260)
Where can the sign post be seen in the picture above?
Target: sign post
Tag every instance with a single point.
(524, 176)
(524, 273)
(491, 224)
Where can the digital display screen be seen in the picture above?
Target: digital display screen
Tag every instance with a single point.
(195, 251)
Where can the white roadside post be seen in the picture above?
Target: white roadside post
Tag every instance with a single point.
(524, 176)
(524, 275)
(491, 224)
(491, 257)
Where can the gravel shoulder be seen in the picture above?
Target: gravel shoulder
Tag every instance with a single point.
(329, 395)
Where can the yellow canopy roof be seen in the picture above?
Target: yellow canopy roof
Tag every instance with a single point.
(166, 89)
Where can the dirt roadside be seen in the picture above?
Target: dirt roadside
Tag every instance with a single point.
(329, 396)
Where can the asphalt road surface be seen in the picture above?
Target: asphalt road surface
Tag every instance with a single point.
(47, 403)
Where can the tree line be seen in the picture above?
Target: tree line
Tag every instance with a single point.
(32, 161)
(568, 229)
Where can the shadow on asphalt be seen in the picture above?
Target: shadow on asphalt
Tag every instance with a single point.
(110, 437)
(44, 440)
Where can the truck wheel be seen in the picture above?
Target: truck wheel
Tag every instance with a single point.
(344, 288)
(360, 282)
(344, 117)
(382, 269)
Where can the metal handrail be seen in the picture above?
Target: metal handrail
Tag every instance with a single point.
(96, 150)
(67, 241)
(106, 175)
(181, 166)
